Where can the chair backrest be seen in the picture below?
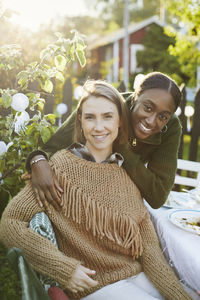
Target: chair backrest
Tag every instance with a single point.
(32, 289)
(188, 165)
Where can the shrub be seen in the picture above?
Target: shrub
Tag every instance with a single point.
(23, 125)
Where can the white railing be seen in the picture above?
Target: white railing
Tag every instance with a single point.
(188, 166)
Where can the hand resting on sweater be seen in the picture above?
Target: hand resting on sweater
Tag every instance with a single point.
(81, 279)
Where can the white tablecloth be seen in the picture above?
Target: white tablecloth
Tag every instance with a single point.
(181, 248)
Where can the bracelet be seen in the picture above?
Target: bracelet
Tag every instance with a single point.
(32, 155)
(36, 160)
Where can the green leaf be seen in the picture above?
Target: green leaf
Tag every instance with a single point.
(45, 134)
(40, 105)
(30, 129)
(58, 34)
(47, 86)
(7, 99)
(60, 76)
(33, 64)
(60, 62)
(36, 137)
(23, 82)
(43, 53)
(37, 116)
(10, 180)
(71, 51)
(81, 58)
(81, 42)
(80, 47)
(23, 79)
(51, 118)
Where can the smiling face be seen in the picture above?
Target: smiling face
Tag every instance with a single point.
(100, 122)
(152, 110)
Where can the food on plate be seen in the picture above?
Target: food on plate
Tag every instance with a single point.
(190, 222)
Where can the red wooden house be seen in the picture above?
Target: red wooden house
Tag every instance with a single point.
(110, 49)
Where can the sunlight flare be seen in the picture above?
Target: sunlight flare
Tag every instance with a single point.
(31, 14)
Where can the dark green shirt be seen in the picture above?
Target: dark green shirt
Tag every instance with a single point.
(151, 164)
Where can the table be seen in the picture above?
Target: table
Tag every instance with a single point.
(181, 248)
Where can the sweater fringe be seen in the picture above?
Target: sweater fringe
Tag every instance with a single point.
(100, 220)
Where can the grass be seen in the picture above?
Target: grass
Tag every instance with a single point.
(9, 283)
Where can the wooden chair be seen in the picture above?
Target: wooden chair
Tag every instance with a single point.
(183, 179)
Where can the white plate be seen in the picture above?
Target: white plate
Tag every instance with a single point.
(183, 218)
(181, 200)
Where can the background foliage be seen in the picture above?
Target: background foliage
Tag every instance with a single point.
(9, 283)
(186, 16)
(111, 11)
(18, 137)
(21, 137)
(155, 56)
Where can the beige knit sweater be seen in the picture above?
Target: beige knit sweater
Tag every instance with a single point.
(103, 225)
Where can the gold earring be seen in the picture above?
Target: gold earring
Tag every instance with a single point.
(164, 129)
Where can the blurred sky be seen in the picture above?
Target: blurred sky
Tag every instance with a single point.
(32, 13)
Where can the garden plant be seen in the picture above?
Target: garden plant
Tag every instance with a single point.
(23, 125)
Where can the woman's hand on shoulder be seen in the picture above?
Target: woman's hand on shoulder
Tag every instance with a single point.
(45, 184)
(81, 279)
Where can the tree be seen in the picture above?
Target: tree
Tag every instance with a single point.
(186, 14)
(155, 56)
(112, 11)
(32, 43)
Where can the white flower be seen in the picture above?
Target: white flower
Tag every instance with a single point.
(20, 102)
(21, 120)
(3, 148)
(62, 108)
(78, 92)
(8, 145)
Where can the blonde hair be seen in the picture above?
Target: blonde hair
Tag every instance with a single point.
(100, 88)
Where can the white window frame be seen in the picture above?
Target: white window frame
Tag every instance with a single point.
(134, 49)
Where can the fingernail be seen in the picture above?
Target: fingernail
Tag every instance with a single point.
(40, 203)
